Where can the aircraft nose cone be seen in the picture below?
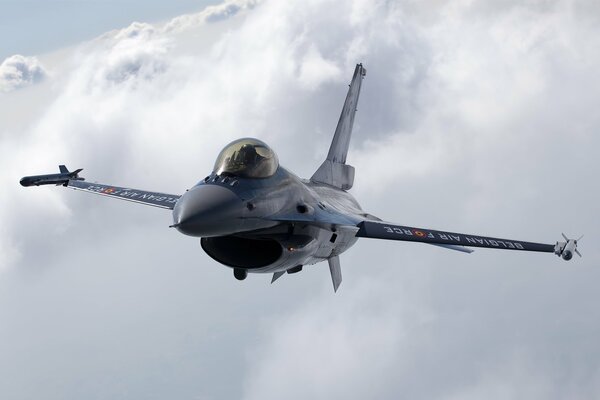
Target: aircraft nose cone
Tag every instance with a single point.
(208, 210)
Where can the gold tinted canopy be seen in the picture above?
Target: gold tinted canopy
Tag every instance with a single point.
(247, 158)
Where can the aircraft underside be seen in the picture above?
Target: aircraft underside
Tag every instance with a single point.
(286, 247)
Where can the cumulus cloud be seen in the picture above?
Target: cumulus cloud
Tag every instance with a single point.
(471, 118)
(215, 13)
(134, 53)
(19, 71)
(135, 30)
(315, 70)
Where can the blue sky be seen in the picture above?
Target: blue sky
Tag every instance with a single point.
(32, 27)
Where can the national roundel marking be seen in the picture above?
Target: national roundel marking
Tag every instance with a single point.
(419, 233)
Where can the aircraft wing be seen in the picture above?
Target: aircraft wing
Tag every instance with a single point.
(161, 200)
(384, 230)
(74, 181)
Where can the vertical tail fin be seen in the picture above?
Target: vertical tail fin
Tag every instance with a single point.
(63, 169)
(334, 170)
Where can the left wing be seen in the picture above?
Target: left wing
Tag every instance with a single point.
(383, 230)
(74, 181)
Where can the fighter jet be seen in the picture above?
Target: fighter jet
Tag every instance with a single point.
(253, 215)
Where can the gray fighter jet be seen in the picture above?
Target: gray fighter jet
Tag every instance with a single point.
(253, 215)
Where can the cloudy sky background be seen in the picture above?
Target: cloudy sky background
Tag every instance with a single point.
(45, 25)
(474, 117)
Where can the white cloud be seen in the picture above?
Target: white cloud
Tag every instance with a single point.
(215, 13)
(471, 117)
(135, 30)
(19, 71)
(316, 70)
(124, 56)
(336, 347)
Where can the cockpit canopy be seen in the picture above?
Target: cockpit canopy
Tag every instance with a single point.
(247, 158)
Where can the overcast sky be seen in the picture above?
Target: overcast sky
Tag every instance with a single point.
(474, 117)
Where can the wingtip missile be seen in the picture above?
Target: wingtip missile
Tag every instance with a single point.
(61, 178)
(567, 248)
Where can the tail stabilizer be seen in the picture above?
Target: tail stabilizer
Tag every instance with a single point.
(334, 170)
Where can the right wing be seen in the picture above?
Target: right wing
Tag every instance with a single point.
(74, 181)
(161, 200)
(383, 230)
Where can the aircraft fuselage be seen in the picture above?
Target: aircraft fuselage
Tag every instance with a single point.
(268, 225)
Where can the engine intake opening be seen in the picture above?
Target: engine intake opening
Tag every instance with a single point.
(241, 252)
